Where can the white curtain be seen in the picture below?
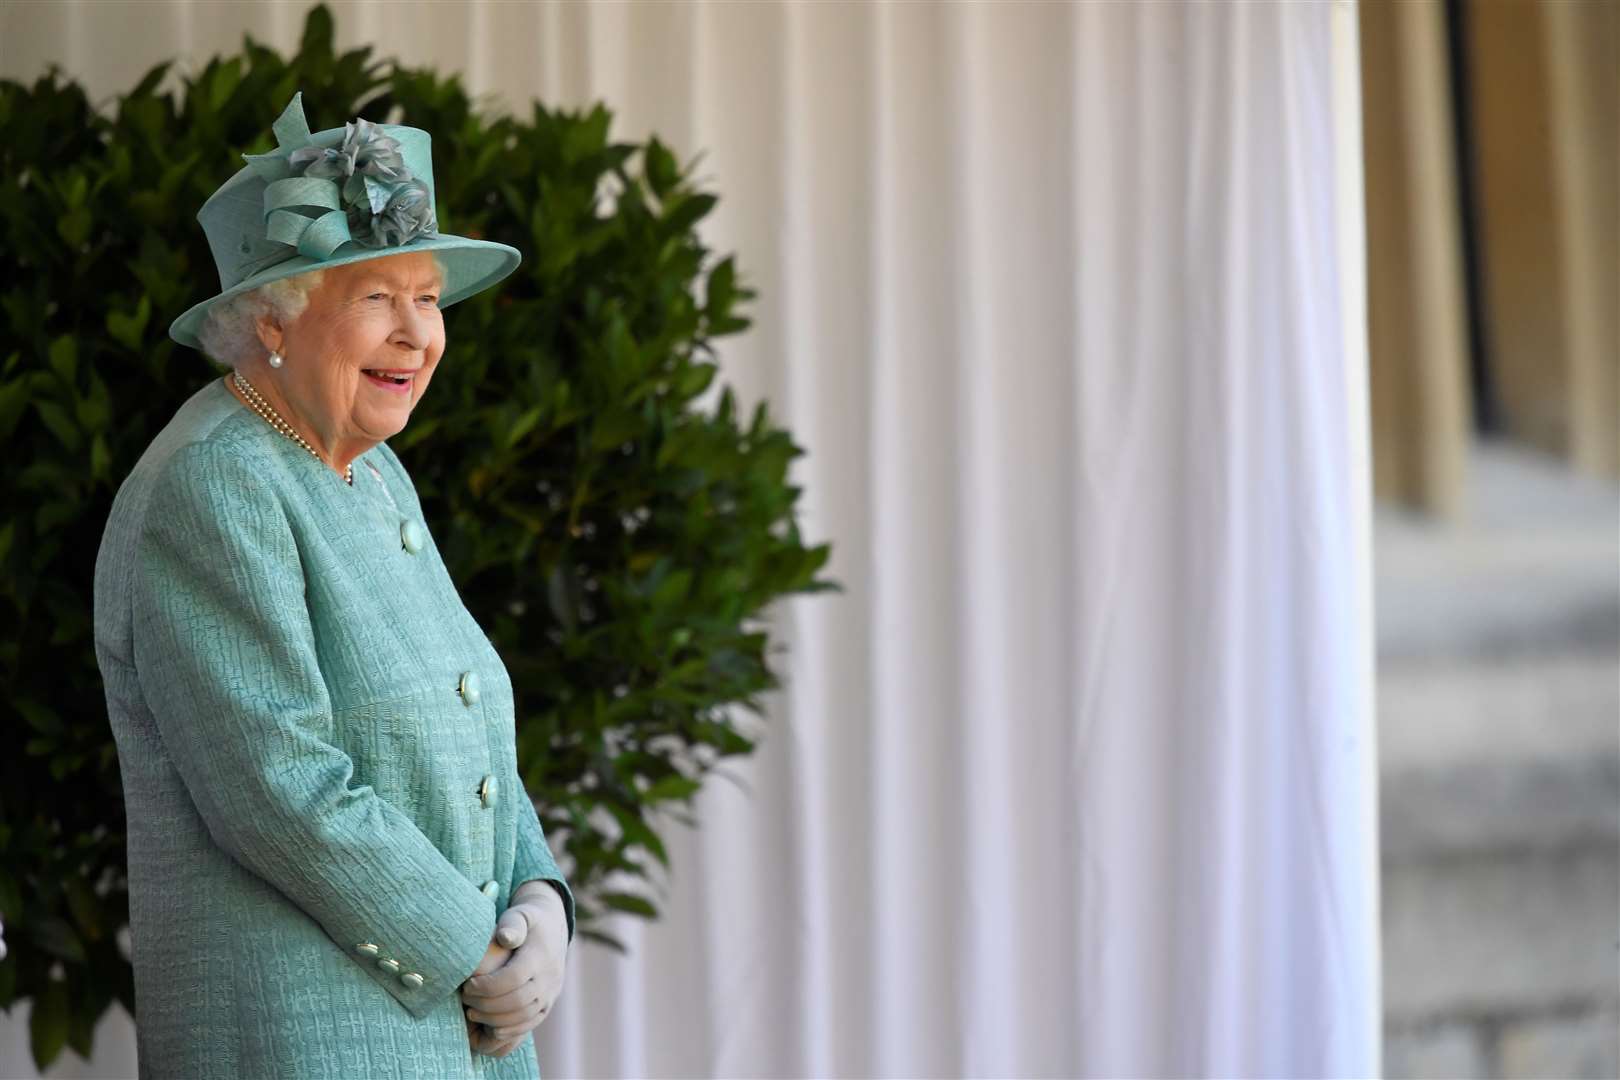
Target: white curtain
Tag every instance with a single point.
(1065, 302)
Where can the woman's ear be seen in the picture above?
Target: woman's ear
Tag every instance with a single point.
(269, 331)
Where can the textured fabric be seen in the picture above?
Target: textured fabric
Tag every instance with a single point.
(306, 781)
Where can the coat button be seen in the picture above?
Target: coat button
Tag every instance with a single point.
(412, 980)
(491, 889)
(389, 965)
(468, 688)
(412, 535)
(488, 790)
(366, 948)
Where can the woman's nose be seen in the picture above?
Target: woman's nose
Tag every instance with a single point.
(411, 325)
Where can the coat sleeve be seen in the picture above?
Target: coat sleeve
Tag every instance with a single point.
(226, 655)
(534, 860)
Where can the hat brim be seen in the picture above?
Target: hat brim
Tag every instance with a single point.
(470, 266)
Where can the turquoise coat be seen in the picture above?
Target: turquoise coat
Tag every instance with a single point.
(317, 746)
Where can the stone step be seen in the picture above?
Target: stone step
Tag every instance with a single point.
(1499, 757)
(1531, 566)
(1520, 754)
(1498, 935)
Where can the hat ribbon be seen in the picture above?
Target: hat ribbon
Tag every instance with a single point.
(306, 213)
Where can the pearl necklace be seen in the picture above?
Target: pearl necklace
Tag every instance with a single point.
(273, 418)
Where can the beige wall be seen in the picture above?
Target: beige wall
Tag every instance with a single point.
(1545, 114)
(1417, 332)
(1585, 99)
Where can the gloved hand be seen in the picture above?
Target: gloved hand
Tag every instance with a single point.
(494, 957)
(511, 998)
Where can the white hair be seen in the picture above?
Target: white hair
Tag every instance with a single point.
(229, 335)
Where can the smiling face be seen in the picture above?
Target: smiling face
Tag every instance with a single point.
(363, 351)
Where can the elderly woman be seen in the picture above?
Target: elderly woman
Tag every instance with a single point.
(333, 868)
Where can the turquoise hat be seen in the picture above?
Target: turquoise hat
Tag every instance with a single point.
(343, 195)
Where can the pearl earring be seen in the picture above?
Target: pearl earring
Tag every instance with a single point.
(275, 359)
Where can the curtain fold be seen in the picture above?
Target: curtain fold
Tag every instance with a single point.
(1075, 778)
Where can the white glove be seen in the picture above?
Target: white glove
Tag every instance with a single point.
(510, 999)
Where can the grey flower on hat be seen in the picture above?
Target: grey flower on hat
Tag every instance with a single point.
(367, 164)
(365, 150)
(407, 214)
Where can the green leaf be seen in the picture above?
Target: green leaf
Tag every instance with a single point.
(721, 288)
(615, 427)
(73, 187)
(39, 717)
(606, 940)
(74, 228)
(673, 589)
(523, 425)
(13, 397)
(83, 905)
(81, 1030)
(671, 787)
(628, 902)
(48, 1023)
(65, 359)
(100, 457)
(317, 39)
(636, 832)
(687, 211)
(94, 410)
(561, 595)
(10, 898)
(61, 424)
(694, 380)
(55, 936)
(414, 433)
(223, 83)
(130, 330)
(149, 82)
(660, 167)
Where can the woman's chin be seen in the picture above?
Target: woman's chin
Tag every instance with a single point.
(384, 421)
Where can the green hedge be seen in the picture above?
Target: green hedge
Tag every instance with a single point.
(617, 541)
